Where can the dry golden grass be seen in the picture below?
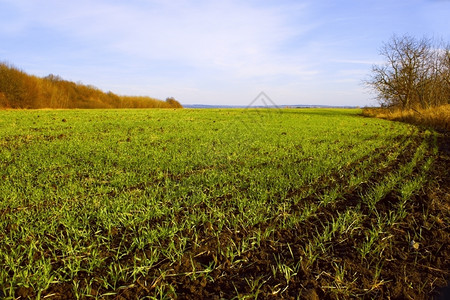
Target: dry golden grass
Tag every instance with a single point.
(436, 117)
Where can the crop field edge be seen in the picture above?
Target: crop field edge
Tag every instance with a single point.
(265, 258)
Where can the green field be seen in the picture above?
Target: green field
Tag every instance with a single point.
(204, 204)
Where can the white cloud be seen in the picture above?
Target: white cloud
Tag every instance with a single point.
(358, 62)
(204, 50)
(238, 37)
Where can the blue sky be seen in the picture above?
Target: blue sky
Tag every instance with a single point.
(215, 52)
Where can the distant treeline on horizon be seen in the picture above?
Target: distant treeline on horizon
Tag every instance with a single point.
(19, 90)
(267, 106)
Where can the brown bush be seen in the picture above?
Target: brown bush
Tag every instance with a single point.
(20, 90)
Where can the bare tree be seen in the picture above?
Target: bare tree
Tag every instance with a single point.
(443, 74)
(415, 74)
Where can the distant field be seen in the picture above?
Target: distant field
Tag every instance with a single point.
(204, 204)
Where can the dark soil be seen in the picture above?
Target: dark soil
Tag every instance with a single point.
(406, 272)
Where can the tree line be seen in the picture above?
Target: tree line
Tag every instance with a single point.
(415, 74)
(19, 90)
